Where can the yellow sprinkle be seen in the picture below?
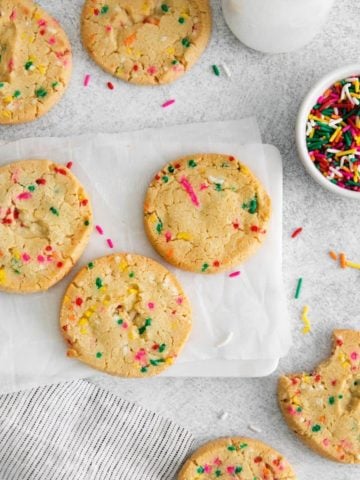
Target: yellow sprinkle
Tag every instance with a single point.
(2, 276)
(153, 218)
(335, 134)
(32, 58)
(346, 152)
(169, 361)
(357, 85)
(306, 321)
(83, 331)
(183, 236)
(133, 334)
(88, 313)
(132, 291)
(42, 69)
(83, 321)
(37, 16)
(6, 114)
(66, 299)
(312, 133)
(170, 51)
(123, 266)
(7, 99)
(16, 255)
(353, 265)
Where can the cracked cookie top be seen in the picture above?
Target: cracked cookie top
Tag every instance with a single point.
(236, 458)
(35, 61)
(323, 407)
(45, 224)
(206, 212)
(146, 42)
(126, 315)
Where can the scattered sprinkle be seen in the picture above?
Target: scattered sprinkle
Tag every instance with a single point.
(99, 230)
(333, 255)
(87, 80)
(24, 196)
(305, 320)
(184, 182)
(69, 165)
(234, 274)
(99, 355)
(226, 341)
(168, 103)
(216, 70)
(296, 232)
(110, 85)
(110, 243)
(255, 429)
(54, 211)
(226, 70)
(298, 288)
(98, 283)
(342, 260)
(223, 415)
(353, 265)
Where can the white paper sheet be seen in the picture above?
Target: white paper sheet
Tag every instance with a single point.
(116, 169)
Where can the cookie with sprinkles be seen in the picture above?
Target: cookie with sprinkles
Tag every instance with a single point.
(236, 458)
(206, 213)
(146, 42)
(45, 224)
(323, 407)
(126, 315)
(35, 61)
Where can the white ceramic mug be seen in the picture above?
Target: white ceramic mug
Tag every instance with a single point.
(275, 26)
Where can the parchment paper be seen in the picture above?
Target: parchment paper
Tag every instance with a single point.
(116, 169)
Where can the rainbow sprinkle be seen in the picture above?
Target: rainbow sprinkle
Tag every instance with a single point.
(333, 134)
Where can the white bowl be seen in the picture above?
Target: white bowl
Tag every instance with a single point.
(309, 101)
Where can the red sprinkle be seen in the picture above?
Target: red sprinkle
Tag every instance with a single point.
(99, 229)
(69, 165)
(216, 263)
(296, 232)
(79, 301)
(110, 86)
(41, 181)
(59, 264)
(62, 171)
(234, 274)
(110, 243)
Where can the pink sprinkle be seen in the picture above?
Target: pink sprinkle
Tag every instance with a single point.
(40, 259)
(346, 128)
(168, 236)
(140, 354)
(125, 325)
(207, 469)
(168, 103)
(87, 80)
(151, 305)
(189, 190)
(52, 41)
(326, 442)
(234, 274)
(110, 243)
(217, 461)
(13, 15)
(11, 65)
(179, 301)
(291, 410)
(24, 196)
(204, 186)
(42, 22)
(99, 230)
(108, 28)
(26, 257)
(354, 356)
(230, 470)
(151, 70)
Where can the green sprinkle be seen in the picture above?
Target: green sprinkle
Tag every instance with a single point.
(99, 355)
(298, 288)
(218, 187)
(148, 322)
(54, 211)
(90, 265)
(200, 470)
(238, 469)
(28, 65)
(31, 188)
(17, 94)
(142, 330)
(225, 165)
(86, 223)
(216, 70)
(143, 369)
(204, 267)
(159, 227)
(243, 445)
(120, 321)
(104, 9)
(192, 163)
(156, 362)
(299, 409)
(340, 397)
(17, 272)
(231, 448)
(316, 428)
(162, 348)
(98, 283)
(2, 84)
(218, 473)
(54, 84)
(41, 92)
(164, 7)
(165, 179)
(331, 400)
(181, 20)
(185, 42)
(253, 206)
(131, 274)
(171, 169)
(175, 62)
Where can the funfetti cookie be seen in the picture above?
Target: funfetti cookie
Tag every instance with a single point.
(45, 224)
(206, 213)
(146, 42)
(126, 315)
(35, 61)
(323, 407)
(236, 458)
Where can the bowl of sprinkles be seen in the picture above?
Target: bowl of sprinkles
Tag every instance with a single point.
(328, 131)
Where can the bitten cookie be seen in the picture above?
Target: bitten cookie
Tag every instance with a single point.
(35, 61)
(323, 407)
(236, 458)
(45, 224)
(146, 42)
(206, 213)
(125, 315)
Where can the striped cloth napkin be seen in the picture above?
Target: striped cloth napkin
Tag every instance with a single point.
(77, 431)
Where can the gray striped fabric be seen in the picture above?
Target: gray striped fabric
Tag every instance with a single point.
(77, 431)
